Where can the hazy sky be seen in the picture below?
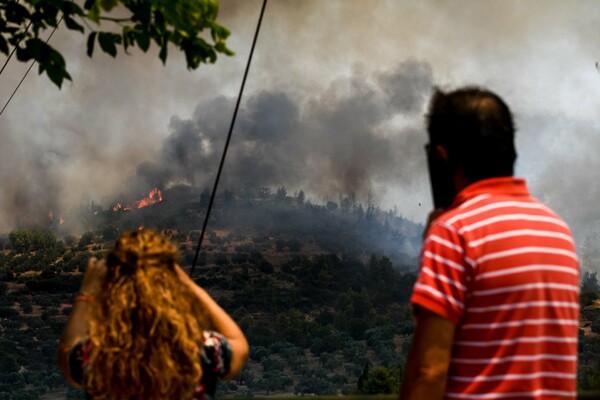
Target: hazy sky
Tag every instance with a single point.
(334, 103)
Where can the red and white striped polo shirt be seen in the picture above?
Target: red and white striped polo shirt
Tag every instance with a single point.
(502, 267)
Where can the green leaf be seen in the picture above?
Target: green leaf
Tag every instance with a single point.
(108, 5)
(219, 32)
(159, 21)
(54, 56)
(71, 24)
(89, 4)
(186, 24)
(57, 75)
(107, 43)
(143, 40)
(15, 38)
(3, 45)
(71, 8)
(16, 12)
(91, 40)
(35, 47)
(222, 48)
(142, 13)
(94, 13)
(163, 51)
(49, 13)
(23, 54)
(48, 59)
(127, 36)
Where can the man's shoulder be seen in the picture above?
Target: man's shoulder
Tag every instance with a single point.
(493, 206)
(453, 216)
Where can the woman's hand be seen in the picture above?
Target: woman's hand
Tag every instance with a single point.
(93, 276)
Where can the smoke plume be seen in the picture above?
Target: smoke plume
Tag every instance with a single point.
(334, 104)
(341, 141)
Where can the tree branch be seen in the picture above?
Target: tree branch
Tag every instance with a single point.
(116, 20)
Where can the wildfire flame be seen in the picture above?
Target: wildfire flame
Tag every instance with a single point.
(154, 196)
(61, 220)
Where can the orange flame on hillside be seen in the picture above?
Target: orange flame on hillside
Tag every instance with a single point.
(61, 220)
(154, 196)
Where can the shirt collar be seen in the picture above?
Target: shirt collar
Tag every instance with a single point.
(506, 185)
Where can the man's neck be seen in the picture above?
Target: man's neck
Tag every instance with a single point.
(461, 181)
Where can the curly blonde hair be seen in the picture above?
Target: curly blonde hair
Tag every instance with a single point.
(146, 326)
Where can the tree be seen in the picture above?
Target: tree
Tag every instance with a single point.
(86, 239)
(314, 382)
(347, 202)
(590, 288)
(21, 240)
(204, 197)
(300, 198)
(381, 380)
(42, 240)
(589, 282)
(137, 23)
(281, 194)
(331, 205)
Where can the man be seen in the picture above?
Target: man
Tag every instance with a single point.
(497, 298)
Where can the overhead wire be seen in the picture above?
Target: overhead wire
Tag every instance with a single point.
(14, 50)
(228, 140)
(229, 134)
(28, 69)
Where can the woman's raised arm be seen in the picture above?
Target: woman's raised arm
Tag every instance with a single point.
(222, 323)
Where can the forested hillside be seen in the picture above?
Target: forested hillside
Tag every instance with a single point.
(320, 290)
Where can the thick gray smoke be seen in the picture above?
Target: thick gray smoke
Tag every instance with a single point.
(561, 161)
(331, 106)
(28, 188)
(341, 141)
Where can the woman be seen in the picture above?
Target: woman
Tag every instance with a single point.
(142, 329)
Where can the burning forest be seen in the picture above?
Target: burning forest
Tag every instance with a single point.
(153, 197)
(262, 212)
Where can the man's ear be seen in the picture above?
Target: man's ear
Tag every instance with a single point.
(442, 152)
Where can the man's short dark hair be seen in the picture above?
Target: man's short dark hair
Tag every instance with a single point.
(476, 128)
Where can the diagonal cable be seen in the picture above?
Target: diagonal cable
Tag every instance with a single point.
(28, 69)
(13, 50)
(226, 147)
